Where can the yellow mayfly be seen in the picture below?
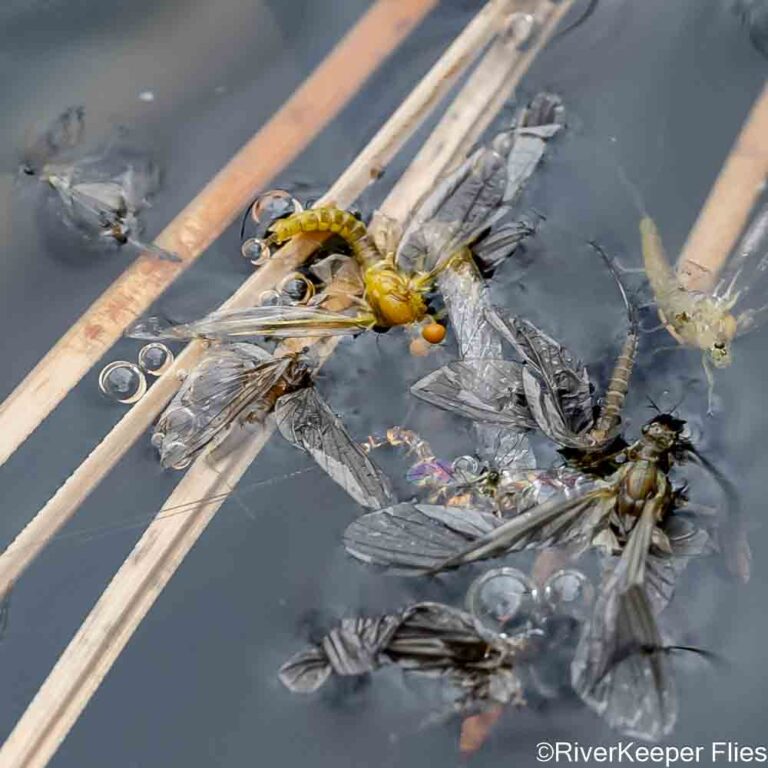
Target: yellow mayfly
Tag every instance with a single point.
(706, 320)
(397, 267)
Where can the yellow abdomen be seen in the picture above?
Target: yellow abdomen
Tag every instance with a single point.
(329, 219)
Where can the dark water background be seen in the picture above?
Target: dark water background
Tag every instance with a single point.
(659, 87)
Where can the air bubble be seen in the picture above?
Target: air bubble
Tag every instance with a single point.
(273, 205)
(503, 602)
(255, 250)
(298, 288)
(155, 358)
(122, 382)
(466, 464)
(270, 298)
(570, 593)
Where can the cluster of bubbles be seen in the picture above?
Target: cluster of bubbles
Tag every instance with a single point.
(272, 205)
(504, 602)
(126, 382)
(295, 288)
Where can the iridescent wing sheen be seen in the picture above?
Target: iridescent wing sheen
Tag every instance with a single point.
(564, 378)
(488, 391)
(415, 538)
(278, 321)
(230, 383)
(306, 421)
(463, 204)
(620, 668)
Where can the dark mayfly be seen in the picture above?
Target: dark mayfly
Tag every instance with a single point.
(398, 268)
(549, 390)
(633, 515)
(239, 384)
(100, 194)
(488, 653)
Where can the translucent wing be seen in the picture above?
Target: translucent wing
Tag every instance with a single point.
(505, 450)
(306, 421)
(564, 378)
(576, 516)
(488, 391)
(462, 205)
(355, 647)
(415, 537)
(748, 263)
(543, 118)
(620, 668)
(230, 383)
(280, 321)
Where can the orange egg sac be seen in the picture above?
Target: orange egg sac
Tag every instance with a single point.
(434, 333)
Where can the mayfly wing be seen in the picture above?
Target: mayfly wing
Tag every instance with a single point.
(563, 376)
(386, 233)
(487, 391)
(306, 421)
(278, 321)
(415, 538)
(542, 120)
(356, 646)
(748, 261)
(466, 297)
(230, 382)
(620, 668)
(505, 450)
(463, 204)
(575, 516)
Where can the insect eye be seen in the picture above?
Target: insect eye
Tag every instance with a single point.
(719, 345)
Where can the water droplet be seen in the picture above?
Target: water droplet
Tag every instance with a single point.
(503, 602)
(123, 382)
(272, 205)
(255, 250)
(270, 298)
(179, 420)
(298, 288)
(155, 358)
(175, 455)
(569, 592)
(468, 465)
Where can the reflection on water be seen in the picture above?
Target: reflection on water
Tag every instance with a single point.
(661, 88)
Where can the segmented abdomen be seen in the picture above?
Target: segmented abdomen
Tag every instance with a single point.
(330, 219)
(618, 386)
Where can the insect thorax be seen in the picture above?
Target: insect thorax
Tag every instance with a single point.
(392, 297)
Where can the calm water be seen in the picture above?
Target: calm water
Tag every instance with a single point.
(659, 87)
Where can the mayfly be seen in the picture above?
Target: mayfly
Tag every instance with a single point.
(398, 267)
(478, 651)
(101, 195)
(706, 320)
(238, 384)
(549, 390)
(631, 513)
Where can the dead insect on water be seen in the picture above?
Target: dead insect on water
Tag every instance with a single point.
(101, 195)
(236, 385)
(398, 268)
(631, 513)
(706, 319)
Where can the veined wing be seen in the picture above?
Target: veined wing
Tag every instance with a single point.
(748, 261)
(543, 118)
(415, 538)
(620, 668)
(280, 321)
(505, 450)
(462, 205)
(229, 383)
(563, 376)
(355, 647)
(488, 391)
(306, 421)
(430, 538)
(576, 516)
